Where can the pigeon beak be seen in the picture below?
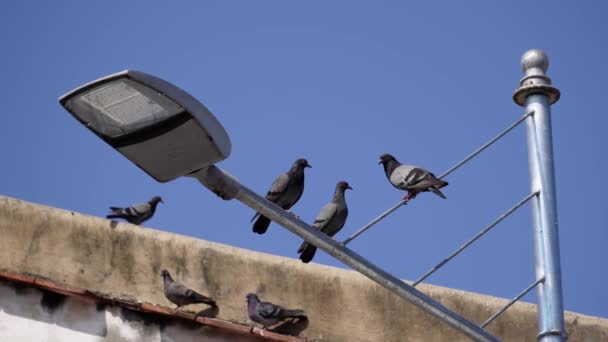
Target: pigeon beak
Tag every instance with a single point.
(161, 201)
(348, 187)
(379, 161)
(308, 165)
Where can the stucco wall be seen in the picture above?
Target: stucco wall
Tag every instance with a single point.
(29, 314)
(96, 254)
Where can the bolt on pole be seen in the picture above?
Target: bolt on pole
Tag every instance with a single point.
(537, 95)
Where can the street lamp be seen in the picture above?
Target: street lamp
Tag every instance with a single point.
(159, 127)
(169, 134)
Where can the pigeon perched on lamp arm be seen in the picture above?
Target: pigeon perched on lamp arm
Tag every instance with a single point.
(268, 314)
(285, 191)
(138, 213)
(413, 179)
(180, 295)
(329, 221)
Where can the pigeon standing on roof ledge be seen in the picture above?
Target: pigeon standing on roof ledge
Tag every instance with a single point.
(413, 179)
(285, 191)
(138, 213)
(268, 314)
(180, 295)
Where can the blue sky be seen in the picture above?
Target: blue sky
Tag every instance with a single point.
(338, 84)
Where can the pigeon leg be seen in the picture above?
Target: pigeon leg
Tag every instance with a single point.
(178, 309)
(410, 196)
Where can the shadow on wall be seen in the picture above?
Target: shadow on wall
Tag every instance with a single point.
(33, 304)
(291, 327)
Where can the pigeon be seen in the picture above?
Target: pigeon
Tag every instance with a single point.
(138, 213)
(330, 220)
(413, 179)
(285, 191)
(268, 314)
(180, 295)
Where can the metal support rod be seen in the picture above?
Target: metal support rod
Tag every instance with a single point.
(486, 145)
(518, 297)
(443, 175)
(536, 94)
(227, 187)
(374, 221)
(480, 234)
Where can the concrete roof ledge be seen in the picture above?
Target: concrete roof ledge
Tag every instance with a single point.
(125, 260)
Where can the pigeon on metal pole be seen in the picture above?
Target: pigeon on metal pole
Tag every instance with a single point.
(330, 220)
(268, 314)
(138, 213)
(285, 191)
(180, 295)
(413, 179)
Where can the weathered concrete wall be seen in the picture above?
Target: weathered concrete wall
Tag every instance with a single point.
(96, 254)
(29, 314)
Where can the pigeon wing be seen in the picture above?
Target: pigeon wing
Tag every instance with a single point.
(268, 310)
(278, 187)
(405, 176)
(179, 290)
(139, 209)
(327, 214)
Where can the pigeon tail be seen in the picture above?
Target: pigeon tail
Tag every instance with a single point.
(302, 247)
(308, 253)
(436, 191)
(294, 314)
(199, 298)
(261, 225)
(438, 183)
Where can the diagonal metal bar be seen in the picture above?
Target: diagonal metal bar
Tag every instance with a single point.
(480, 234)
(518, 297)
(228, 187)
(373, 222)
(486, 145)
(443, 175)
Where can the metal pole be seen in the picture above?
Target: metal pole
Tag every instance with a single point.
(536, 94)
(228, 187)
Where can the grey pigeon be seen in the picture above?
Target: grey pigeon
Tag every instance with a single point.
(138, 213)
(180, 295)
(268, 314)
(330, 220)
(413, 179)
(285, 191)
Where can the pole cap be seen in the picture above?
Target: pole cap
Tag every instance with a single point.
(535, 63)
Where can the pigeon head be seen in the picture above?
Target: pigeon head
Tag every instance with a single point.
(385, 158)
(165, 273)
(252, 296)
(156, 199)
(301, 163)
(343, 185)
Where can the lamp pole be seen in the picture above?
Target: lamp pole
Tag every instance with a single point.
(537, 95)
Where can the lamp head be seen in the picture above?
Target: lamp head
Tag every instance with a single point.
(159, 127)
